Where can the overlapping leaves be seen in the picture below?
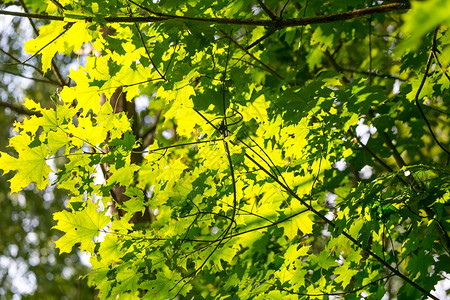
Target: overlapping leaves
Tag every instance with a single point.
(237, 195)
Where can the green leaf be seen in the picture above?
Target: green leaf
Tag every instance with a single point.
(323, 260)
(58, 37)
(423, 18)
(345, 274)
(79, 227)
(31, 164)
(301, 222)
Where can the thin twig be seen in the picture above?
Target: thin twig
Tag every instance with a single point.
(19, 62)
(438, 110)
(53, 65)
(335, 66)
(256, 228)
(267, 68)
(344, 233)
(283, 8)
(148, 135)
(320, 163)
(379, 160)
(247, 212)
(265, 36)
(416, 98)
(177, 145)
(444, 71)
(148, 53)
(171, 58)
(46, 80)
(372, 74)
(398, 159)
(224, 133)
(58, 5)
(370, 50)
(267, 10)
(301, 39)
(25, 8)
(66, 28)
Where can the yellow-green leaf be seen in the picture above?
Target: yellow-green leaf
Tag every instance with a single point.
(301, 222)
(30, 164)
(58, 37)
(79, 227)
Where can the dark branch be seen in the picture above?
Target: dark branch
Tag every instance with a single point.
(265, 36)
(375, 74)
(31, 78)
(177, 145)
(358, 13)
(66, 28)
(146, 51)
(18, 61)
(19, 109)
(398, 159)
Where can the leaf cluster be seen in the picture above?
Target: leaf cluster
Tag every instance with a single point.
(282, 152)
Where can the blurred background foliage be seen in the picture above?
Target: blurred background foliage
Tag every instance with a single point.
(30, 267)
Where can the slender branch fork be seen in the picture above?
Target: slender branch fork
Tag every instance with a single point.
(279, 23)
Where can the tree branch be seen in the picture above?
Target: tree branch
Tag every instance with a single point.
(66, 28)
(19, 109)
(332, 224)
(148, 53)
(398, 159)
(15, 3)
(265, 36)
(18, 61)
(280, 23)
(31, 78)
(372, 74)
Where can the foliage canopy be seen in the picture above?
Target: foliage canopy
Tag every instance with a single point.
(246, 149)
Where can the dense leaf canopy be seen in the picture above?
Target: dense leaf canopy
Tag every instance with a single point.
(244, 149)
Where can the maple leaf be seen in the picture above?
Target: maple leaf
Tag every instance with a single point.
(30, 164)
(79, 227)
(57, 37)
(300, 222)
(344, 274)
